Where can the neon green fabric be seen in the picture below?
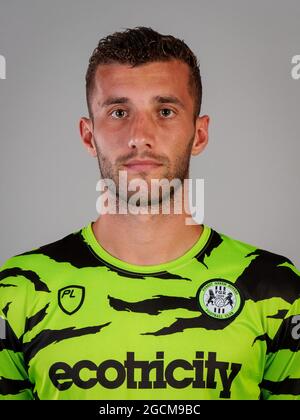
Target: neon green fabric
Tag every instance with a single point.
(220, 322)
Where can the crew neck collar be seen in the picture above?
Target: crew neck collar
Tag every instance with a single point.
(90, 238)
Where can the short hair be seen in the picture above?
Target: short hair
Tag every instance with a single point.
(141, 45)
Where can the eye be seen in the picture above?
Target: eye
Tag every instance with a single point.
(118, 113)
(166, 112)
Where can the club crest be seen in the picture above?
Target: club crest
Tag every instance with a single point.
(219, 299)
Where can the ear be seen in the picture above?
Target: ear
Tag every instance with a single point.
(201, 135)
(86, 133)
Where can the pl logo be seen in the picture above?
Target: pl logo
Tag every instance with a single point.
(2, 67)
(70, 299)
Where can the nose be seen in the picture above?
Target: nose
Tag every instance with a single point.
(142, 132)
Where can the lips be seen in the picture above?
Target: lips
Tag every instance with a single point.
(142, 165)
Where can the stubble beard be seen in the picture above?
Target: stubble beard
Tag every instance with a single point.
(179, 171)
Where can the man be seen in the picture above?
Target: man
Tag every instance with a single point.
(141, 305)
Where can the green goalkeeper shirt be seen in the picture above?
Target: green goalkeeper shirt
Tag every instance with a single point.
(220, 322)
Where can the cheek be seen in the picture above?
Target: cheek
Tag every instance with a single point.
(177, 141)
(107, 142)
(110, 132)
(181, 150)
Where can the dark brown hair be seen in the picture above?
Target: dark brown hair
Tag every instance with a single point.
(142, 45)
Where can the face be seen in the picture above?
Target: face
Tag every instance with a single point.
(143, 122)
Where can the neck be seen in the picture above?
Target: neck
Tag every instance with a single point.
(146, 239)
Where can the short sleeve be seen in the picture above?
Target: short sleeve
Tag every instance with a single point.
(281, 379)
(14, 381)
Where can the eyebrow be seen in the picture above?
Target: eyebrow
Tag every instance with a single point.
(111, 100)
(169, 99)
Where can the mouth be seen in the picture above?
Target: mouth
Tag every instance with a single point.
(142, 165)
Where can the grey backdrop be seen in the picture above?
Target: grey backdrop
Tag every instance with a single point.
(251, 165)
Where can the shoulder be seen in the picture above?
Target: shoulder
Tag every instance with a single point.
(72, 249)
(36, 268)
(262, 274)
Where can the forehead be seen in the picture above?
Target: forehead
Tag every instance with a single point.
(172, 77)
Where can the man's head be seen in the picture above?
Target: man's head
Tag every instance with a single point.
(139, 46)
(144, 96)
